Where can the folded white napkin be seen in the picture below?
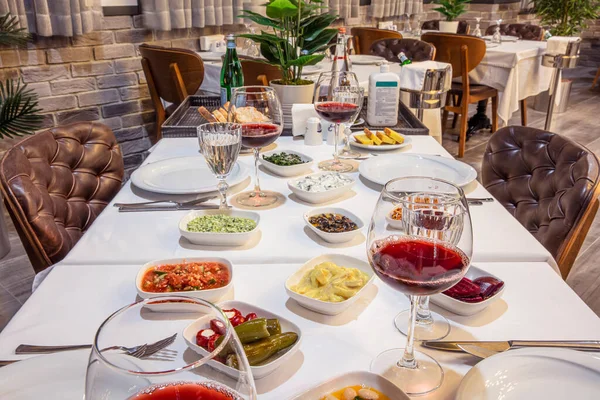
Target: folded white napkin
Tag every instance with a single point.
(300, 114)
(412, 76)
(558, 44)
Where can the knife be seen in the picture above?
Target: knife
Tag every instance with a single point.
(169, 208)
(500, 346)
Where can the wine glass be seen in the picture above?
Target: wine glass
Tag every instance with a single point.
(337, 100)
(258, 110)
(347, 152)
(407, 29)
(220, 143)
(417, 32)
(497, 37)
(175, 372)
(418, 263)
(477, 30)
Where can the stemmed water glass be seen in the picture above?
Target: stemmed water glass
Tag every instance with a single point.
(417, 32)
(347, 152)
(175, 372)
(258, 110)
(497, 37)
(337, 100)
(477, 30)
(220, 143)
(407, 29)
(429, 255)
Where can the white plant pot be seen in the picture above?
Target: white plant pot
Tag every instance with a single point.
(290, 95)
(448, 26)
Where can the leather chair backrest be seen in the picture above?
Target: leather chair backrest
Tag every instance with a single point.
(545, 181)
(55, 184)
(252, 70)
(522, 31)
(448, 50)
(364, 37)
(160, 59)
(415, 50)
(434, 25)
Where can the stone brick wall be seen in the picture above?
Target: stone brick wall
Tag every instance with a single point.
(590, 48)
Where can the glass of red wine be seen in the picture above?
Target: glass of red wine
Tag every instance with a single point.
(429, 255)
(178, 371)
(337, 100)
(258, 110)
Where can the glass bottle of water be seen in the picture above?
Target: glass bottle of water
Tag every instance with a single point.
(231, 73)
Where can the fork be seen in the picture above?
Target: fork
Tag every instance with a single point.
(141, 351)
(175, 203)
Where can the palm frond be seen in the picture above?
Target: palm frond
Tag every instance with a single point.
(19, 112)
(10, 33)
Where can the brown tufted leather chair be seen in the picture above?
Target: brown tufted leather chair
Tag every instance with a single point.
(415, 50)
(596, 78)
(55, 184)
(522, 31)
(171, 74)
(547, 182)
(434, 25)
(363, 38)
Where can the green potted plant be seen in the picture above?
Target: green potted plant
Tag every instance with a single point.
(567, 17)
(451, 9)
(295, 35)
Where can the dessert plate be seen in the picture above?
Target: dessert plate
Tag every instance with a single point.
(382, 147)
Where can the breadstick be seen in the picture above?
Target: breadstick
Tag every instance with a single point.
(206, 114)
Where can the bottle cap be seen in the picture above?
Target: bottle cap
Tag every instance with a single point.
(230, 36)
(342, 30)
(384, 66)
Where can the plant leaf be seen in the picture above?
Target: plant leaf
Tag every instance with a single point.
(19, 112)
(279, 9)
(10, 33)
(307, 60)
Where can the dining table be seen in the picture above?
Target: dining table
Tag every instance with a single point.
(99, 276)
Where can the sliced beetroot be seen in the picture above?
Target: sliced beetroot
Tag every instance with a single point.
(464, 288)
(488, 285)
(475, 299)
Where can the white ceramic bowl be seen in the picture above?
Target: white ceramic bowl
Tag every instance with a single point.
(208, 294)
(189, 334)
(394, 223)
(462, 307)
(326, 307)
(334, 237)
(218, 239)
(367, 379)
(287, 170)
(319, 197)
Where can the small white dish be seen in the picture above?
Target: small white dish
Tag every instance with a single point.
(394, 223)
(503, 38)
(462, 307)
(325, 307)
(208, 294)
(382, 147)
(533, 373)
(278, 360)
(319, 197)
(287, 170)
(334, 237)
(215, 238)
(367, 379)
(364, 59)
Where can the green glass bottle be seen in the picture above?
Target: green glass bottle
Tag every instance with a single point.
(231, 73)
(403, 59)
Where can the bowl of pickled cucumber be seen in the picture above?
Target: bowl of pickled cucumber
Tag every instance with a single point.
(269, 340)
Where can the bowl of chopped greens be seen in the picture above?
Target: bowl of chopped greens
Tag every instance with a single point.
(219, 227)
(286, 163)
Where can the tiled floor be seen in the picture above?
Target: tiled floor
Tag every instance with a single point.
(579, 123)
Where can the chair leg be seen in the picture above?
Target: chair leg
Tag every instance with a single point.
(596, 78)
(494, 114)
(524, 112)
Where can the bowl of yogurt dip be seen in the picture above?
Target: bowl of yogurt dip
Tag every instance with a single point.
(321, 187)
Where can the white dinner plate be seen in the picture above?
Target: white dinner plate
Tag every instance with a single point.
(210, 55)
(534, 373)
(384, 168)
(503, 38)
(382, 147)
(313, 69)
(183, 175)
(363, 59)
(58, 376)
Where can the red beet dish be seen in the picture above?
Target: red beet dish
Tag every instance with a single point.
(475, 291)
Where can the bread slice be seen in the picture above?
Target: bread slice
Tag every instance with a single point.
(398, 138)
(363, 139)
(376, 141)
(220, 117)
(385, 138)
(206, 114)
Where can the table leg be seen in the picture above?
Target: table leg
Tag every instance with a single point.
(479, 120)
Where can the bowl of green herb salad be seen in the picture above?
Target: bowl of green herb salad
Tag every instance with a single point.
(286, 162)
(219, 227)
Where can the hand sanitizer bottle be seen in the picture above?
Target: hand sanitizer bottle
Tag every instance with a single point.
(384, 97)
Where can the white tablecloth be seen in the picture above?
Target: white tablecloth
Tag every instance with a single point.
(72, 302)
(135, 238)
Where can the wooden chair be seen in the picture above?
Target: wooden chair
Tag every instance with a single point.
(171, 74)
(434, 24)
(258, 73)
(363, 38)
(596, 78)
(547, 182)
(415, 50)
(464, 53)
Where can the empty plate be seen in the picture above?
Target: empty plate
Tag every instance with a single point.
(183, 175)
(211, 55)
(365, 59)
(384, 168)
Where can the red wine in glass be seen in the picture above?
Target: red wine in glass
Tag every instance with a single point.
(336, 112)
(186, 391)
(260, 134)
(418, 266)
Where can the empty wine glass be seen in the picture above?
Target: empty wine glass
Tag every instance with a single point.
(497, 37)
(347, 152)
(180, 370)
(407, 29)
(417, 30)
(417, 262)
(220, 143)
(477, 30)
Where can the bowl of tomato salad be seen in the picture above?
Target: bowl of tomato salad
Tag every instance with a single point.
(207, 278)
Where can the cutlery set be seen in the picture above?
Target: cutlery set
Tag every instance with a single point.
(168, 205)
